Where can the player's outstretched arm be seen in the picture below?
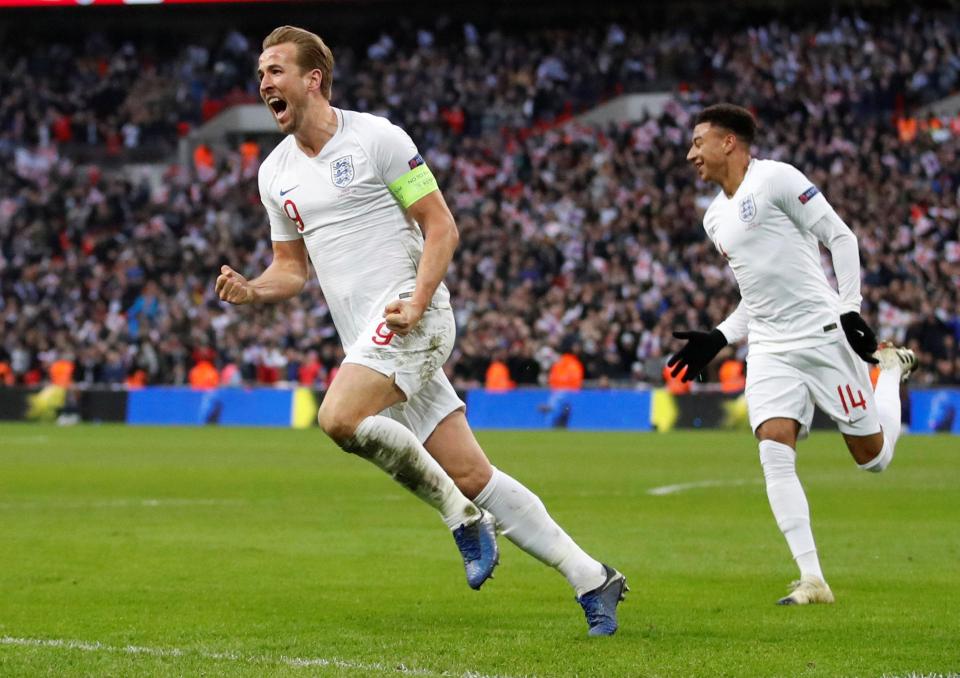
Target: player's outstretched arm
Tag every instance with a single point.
(440, 239)
(842, 243)
(284, 277)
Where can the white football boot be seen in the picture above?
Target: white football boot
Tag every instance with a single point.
(808, 590)
(892, 357)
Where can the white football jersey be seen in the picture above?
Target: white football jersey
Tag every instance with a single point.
(363, 245)
(764, 233)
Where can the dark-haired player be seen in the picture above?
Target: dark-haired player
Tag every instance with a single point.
(807, 343)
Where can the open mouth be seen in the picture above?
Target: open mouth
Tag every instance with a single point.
(278, 106)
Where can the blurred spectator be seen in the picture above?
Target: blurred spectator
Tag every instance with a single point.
(498, 375)
(732, 377)
(675, 384)
(204, 375)
(566, 373)
(61, 371)
(312, 373)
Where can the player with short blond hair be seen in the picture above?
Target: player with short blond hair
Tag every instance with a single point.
(350, 193)
(807, 341)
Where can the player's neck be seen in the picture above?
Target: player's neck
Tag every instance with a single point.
(736, 171)
(319, 128)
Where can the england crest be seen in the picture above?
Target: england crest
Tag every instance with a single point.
(748, 209)
(341, 171)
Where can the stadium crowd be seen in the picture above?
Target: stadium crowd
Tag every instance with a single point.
(575, 241)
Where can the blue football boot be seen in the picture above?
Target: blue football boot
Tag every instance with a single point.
(600, 604)
(478, 546)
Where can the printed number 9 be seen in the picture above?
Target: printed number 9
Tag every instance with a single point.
(382, 336)
(290, 209)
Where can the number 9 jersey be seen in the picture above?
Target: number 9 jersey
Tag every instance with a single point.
(348, 205)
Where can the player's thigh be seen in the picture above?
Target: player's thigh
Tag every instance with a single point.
(411, 360)
(840, 385)
(778, 402)
(456, 449)
(356, 393)
(425, 409)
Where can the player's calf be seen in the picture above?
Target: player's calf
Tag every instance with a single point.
(881, 461)
(872, 453)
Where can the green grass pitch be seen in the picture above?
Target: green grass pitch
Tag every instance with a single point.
(131, 551)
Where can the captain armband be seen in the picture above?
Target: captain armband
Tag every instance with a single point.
(413, 185)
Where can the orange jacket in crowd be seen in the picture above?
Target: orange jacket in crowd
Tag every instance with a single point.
(566, 373)
(498, 377)
(676, 385)
(136, 379)
(6, 374)
(249, 154)
(61, 373)
(732, 379)
(204, 375)
(203, 157)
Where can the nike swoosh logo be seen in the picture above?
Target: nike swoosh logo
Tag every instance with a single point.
(283, 193)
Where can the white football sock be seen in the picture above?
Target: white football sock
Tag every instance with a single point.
(523, 519)
(887, 397)
(394, 448)
(789, 504)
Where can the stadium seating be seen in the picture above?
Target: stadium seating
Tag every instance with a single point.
(574, 239)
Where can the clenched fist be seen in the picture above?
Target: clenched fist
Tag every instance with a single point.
(234, 288)
(402, 316)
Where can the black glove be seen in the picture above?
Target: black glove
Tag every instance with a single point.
(701, 348)
(860, 336)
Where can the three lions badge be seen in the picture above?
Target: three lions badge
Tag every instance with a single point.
(748, 209)
(341, 171)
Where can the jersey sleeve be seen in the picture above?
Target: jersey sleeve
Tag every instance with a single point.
(401, 167)
(736, 325)
(282, 227)
(842, 243)
(798, 197)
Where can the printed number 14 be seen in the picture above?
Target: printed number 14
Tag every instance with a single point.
(862, 403)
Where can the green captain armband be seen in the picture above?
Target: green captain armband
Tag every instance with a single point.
(413, 185)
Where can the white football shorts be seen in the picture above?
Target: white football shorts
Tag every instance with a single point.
(831, 376)
(416, 363)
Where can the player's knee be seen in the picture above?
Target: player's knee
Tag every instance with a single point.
(779, 431)
(336, 424)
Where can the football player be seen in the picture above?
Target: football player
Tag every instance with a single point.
(808, 344)
(350, 193)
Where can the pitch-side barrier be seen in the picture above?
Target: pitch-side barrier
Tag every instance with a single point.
(641, 409)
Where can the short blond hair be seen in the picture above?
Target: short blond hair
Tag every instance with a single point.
(312, 52)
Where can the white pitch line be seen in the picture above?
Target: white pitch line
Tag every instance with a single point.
(120, 503)
(683, 487)
(294, 662)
